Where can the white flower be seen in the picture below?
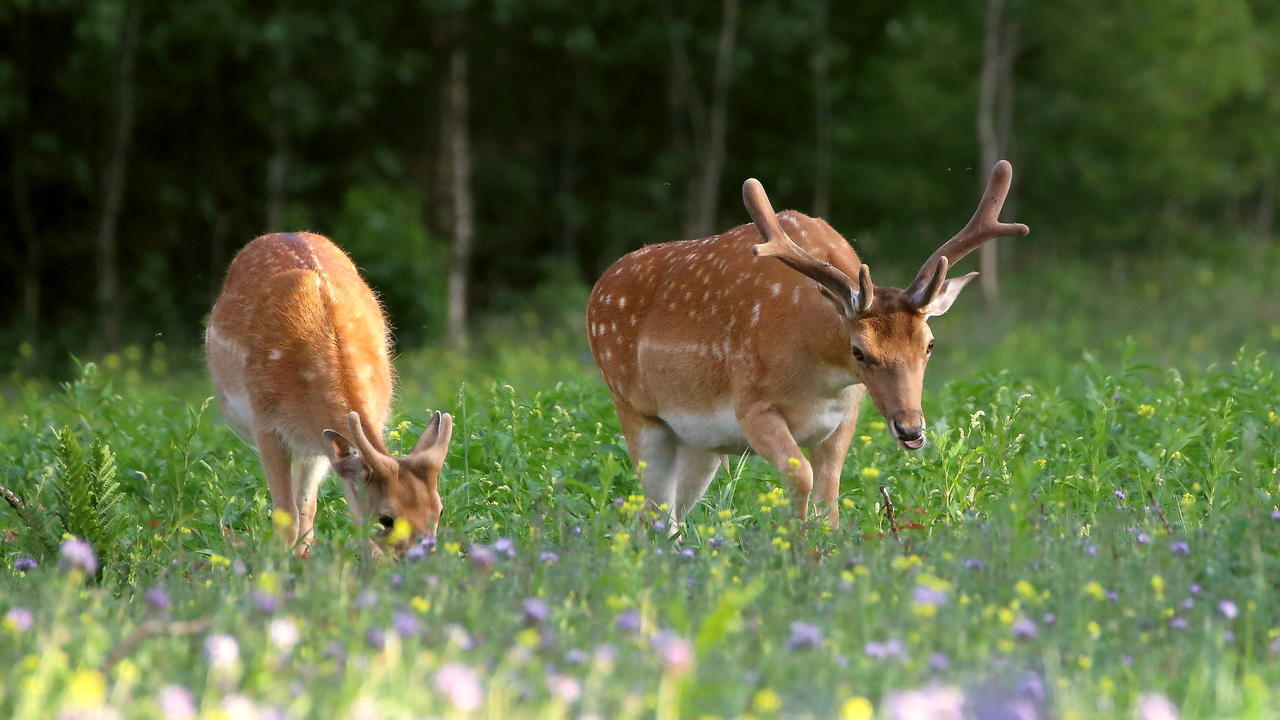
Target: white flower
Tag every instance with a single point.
(462, 686)
(283, 633)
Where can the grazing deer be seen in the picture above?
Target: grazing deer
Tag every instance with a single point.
(708, 347)
(297, 344)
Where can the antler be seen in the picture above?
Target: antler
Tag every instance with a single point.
(374, 458)
(851, 300)
(983, 226)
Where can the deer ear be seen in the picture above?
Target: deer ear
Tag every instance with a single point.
(947, 294)
(344, 456)
(434, 443)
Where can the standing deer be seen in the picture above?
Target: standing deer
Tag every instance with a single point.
(297, 344)
(708, 347)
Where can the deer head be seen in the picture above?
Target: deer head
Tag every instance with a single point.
(386, 487)
(889, 338)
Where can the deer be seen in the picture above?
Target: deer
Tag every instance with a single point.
(297, 344)
(766, 338)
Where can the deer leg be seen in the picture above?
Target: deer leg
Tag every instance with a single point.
(828, 458)
(274, 455)
(695, 469)
(308, 475)
(767, 432)
(653, 451)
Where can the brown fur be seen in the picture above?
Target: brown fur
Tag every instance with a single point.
(296, 343)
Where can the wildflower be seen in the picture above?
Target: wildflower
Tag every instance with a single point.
(1228, 609)
(1195, 588)
(856, 708)
(87, 689)
(1146, 412)
(1032, 686)
(78, 555)
(19, 619)
(222, 651)
(535, 611)
(767, 701)
(688, 553)
(1142, 537)
(926, 600)
(176, 703)
(405, 624)
(576, 656)
(675, 652)
(26, 563)
(1275, 514)
(481, 556)
(1094, 589)
(804, 636)
(1157, 586)
(1025, 589)
(1154, 706)
(158, 598)
(1024, 628)
(628, 621)
(1188, 603)
(1120, 494)
(974, 564)
(1091, 550)
(505, 546)
(366, 599)
(564, 687)
(283, 633)
(1177, 623)
(1094, 629)
(461, 685)
(376, 638)
(547, 557)
(417, 551)
(1180, 547)
(266, 602)
(891, 648)
(939, 661)
(942, 703)
(870, 473)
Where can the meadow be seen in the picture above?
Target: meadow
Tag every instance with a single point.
(1092, 532)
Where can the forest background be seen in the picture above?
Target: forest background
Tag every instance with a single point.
(489, 158)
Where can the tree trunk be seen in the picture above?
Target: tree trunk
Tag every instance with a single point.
(114, 181)
(821, 113)
(703, 221)
(990, 142)
(457, 148)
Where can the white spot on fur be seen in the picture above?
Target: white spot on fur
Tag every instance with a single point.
(275, 354)
(755, 314)
(776, 288)
(622, 301)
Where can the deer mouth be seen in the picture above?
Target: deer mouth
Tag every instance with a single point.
(913, 440)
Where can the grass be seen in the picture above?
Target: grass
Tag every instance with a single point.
(1092, 530)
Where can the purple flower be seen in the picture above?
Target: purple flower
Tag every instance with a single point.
(366, 600)
(925, 595)
(1196, 589)
(1154, 706)
(1228, 609)
(222, 651)
(688, 553)
(19, 618)
(1275, 514)
(461, 685)
(78, 555)
(628, 621)
(1091, 550)
(158, 598)
(1024, 628)
(939, 662)
(26, 563)
(1032, 686)
(176, 703)
(1050, 618)
(481, 556)
(1188, 604)
(405, 623)
(396, 580)
(1141, 537)
(265, 601)
(892, 648)
(974, 564)
(1112, 595)
(548, 558)
(1127, 660)
(1180, 547)
(674, 651)
(376, 638)
(505, 546)
(575, 656)
(1120, 495)
(415, 552)
(804, 636)
(535, 611)
(1177, 623)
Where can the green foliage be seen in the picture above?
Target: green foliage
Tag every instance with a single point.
(88, 496)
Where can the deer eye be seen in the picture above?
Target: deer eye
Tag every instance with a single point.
(929, 350)
(859, 355)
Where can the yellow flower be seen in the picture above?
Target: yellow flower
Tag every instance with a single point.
(726, 514)
(767, 700)
(452, 548)
(1157, 585)
(870, 473)
(906, 562)
(1006, 616)
(281, 519)
(1094, 588)
(1025, 589)
(1187, 499)
(528, 637)
(1085, 662)
(1095, 630)
(400, 531)
(87, 689)
(216, 559)
(856, 708)
(1146, 411)
(1273, 418)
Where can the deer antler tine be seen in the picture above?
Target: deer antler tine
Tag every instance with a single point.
(778, 244)
(983, 226)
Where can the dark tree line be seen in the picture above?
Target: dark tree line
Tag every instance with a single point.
(528, 143)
